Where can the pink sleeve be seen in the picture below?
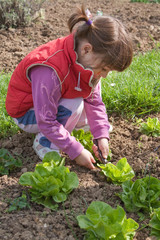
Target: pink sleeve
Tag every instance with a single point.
(96, 115)
(46, 93)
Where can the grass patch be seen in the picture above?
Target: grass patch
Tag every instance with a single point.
(136, 91)
(7, 125)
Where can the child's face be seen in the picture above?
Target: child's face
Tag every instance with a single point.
(92, 60)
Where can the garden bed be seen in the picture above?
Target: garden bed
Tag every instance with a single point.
(42, 223)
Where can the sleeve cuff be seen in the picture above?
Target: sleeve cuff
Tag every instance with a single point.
(74, 150)
(101, 133)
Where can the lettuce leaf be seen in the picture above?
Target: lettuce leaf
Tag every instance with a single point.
(118, 173)
(155, 223)
(103, 222)
(143, 194)
(50, 182)
(151, 127)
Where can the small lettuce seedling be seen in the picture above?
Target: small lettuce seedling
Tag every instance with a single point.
(86, 139)
(143, 194)
(155, 223)
(7, 162)
(50, 182)
(151, 127)
(102, 222)
(118, 173)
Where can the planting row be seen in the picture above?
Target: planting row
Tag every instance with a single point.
(51, 183)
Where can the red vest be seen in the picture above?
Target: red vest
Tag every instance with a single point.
(58, 54)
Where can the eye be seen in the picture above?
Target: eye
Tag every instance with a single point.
(105, 70)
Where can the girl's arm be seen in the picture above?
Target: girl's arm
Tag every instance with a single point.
(96, 114)
(98, 121)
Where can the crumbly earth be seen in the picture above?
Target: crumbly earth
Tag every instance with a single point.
(39, 223)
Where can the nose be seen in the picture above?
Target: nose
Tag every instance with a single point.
(104, 75)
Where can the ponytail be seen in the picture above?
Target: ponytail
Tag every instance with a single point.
(107, 35)
(78, 16)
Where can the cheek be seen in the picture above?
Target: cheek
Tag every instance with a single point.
(97, 74)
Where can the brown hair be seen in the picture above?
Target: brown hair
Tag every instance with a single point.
(107, 35)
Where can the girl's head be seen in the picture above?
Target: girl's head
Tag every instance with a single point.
(103, 43)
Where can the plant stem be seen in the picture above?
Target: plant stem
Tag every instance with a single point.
(68, 223)
(62, 162)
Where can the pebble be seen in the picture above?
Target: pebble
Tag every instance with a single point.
(45, 225)
(151, 238)
(23, 170)
(25, 222)
(3, 204)
(144, 138)
(27, 235)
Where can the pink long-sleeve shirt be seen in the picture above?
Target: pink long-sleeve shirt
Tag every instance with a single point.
(46, 92)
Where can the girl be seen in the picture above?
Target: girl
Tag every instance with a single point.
(56, 87)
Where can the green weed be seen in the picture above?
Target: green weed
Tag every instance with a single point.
(7, 162)
(7, 125)
(19, 203)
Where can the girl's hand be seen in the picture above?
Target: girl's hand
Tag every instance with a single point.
(85, 159)
(103, 146)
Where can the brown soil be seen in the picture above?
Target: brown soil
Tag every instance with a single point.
(39, 223)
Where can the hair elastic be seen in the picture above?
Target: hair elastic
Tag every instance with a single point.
(89, 22)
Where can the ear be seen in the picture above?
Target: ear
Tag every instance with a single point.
(86, 48)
